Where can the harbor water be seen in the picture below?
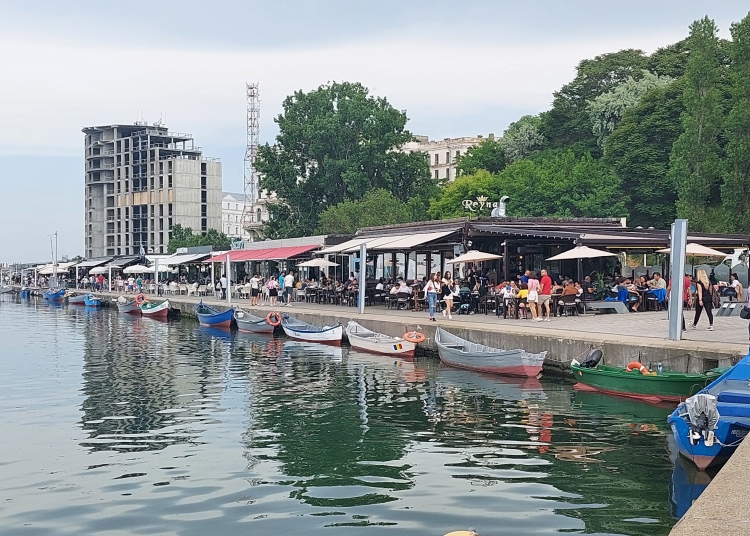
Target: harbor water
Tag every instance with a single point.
(120, 425)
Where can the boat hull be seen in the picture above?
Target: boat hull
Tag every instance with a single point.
(92, 301)
(728, 432)
(377, 343)
(207, 316)
(252, 324)
(79, 299)
(55, 296)
(130, 308)
(667, 387)
(331, 336)
(159, 311)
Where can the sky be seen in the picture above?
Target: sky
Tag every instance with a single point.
(457, 68)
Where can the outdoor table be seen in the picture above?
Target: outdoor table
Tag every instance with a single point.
(489, 299)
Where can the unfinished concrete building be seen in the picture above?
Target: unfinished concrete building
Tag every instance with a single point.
(141, 180)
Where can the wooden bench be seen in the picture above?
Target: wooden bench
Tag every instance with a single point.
(606, 306)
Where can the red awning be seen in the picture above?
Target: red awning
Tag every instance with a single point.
(275, 254)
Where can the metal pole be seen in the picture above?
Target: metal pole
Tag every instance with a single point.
(362, 277)
(109, 277)
(227, 274)
(156, 275)
(677, 246)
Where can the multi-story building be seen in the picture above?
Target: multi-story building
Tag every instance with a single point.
(442, 154)
(140, 181)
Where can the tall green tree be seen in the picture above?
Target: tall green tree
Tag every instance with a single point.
(376, 207)
(522, 138)
(638, 151)
(184, 237)
(481, 184)
(488, 155)
(336, 143)
(695, 163)
(736, 188)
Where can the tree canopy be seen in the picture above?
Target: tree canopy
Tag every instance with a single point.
(183, 237)
(376, 207)
(488, 155)
(335, 144)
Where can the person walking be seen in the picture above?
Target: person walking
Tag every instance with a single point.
(447, 292)
(545, 294)
(288, 288)
(431, 289)
(704, 295)
(273, 291)
(533, 298)
(254, 289)
(223, 285)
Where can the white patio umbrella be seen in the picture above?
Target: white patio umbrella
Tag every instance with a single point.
(99, 270)
(473, 256)
(317, 263)
(138, 269)
(696, 250)
(581, 252)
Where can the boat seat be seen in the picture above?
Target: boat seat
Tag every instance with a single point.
(734, 396)
(727, 409)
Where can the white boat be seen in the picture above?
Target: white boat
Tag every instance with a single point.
(460, 353)
(367, 340)
(251, 323)
(127, 306)
(4, 289)
(297, 329)
(76, 299)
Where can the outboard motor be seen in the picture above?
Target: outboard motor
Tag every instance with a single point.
(592, 358)
(704, 416)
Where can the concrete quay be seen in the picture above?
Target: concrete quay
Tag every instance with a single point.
(622, 338)
(723, 507)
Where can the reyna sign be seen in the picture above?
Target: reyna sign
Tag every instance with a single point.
(479, 204)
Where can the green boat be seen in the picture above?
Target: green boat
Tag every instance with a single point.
(654, 387)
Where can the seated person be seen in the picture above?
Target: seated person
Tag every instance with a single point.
(569, 290)
(657, 282)
(522, 294)
(736, 286)
(379, 286)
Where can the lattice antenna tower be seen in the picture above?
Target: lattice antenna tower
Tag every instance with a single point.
(251, 152)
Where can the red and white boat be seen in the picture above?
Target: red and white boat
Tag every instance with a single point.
(367, 340)
(155, 310)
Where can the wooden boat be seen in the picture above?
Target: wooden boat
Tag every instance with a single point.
(5, 289)
(708, 426)
(297, 329)
(460, 353)
(208, 316)
(655, 387)
(54, 295)
(92, 301)
(127, 306)
(77, 299)
(251, 323)
(155, 310)
(366, 340)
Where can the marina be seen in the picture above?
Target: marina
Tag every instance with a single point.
(172, 427)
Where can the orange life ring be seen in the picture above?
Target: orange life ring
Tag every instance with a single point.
(415, 337)
(273, 319)
(635, 365)
(140, 298)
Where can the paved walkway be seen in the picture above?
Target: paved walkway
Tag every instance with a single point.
(650, 328)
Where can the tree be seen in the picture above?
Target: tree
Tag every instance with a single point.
(488, 155)
(695, 162)
(736, 188)
(336, 143)
(638, 152)
(669, 61)
(478, 185)
(522, 138)
(183, 237)
(607, 109)
(376, 207)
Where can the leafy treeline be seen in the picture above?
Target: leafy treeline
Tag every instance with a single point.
(184, 237)
(650, 137)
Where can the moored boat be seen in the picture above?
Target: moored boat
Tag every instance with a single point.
(5, 289)
(298, 329)
(25, 293)
(367, 340)
(708, 426)
(635, 381)
(255, 324)
(92, 301)
(460, 353)
(155, 310)
(54, 295)
(127, 306)
(76, 299)
(208, 316)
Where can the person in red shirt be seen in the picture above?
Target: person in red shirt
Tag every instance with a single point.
(545, 292)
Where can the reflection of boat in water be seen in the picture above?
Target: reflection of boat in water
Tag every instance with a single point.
(498, 387)
(404, 368)
(219, 332)
(685, 486)
(311, 349)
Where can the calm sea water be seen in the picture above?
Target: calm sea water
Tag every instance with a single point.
(120, 425)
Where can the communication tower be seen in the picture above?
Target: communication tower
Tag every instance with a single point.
(251, 152)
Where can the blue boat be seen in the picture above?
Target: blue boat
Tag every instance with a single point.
(208, 316)
(54, 295)
(25, 293)
(92, 301)
(709, 425)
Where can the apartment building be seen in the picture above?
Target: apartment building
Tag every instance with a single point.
(442, 154)
(232, 208)
(140, 181)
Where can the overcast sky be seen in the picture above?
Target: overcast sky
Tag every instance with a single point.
(457, 68)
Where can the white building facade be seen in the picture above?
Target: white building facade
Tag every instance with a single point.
(442, 154)
(232, 209)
